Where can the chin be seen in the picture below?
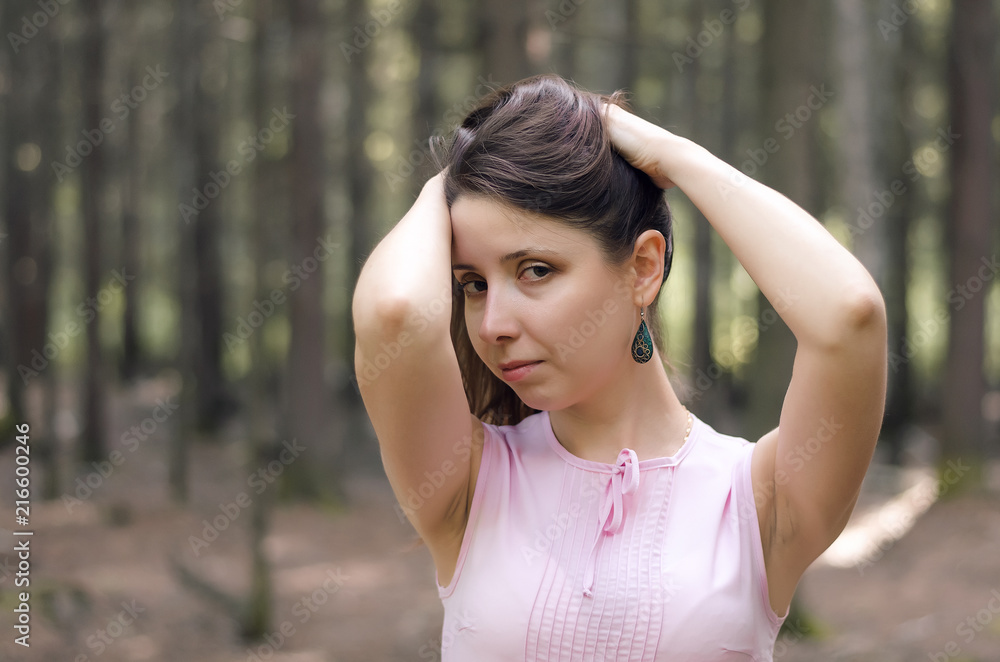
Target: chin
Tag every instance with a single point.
(540, 401)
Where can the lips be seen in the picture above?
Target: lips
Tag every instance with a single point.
(515, 364)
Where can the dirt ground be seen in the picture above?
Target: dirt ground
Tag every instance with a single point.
(347, 588)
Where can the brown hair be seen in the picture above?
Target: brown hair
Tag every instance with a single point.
(542, 145)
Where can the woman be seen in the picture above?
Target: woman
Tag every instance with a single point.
(510, 361)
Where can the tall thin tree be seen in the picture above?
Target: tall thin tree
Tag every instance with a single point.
(702, 332)
(972, 83)
(131, 215)
(29, 145)
(92, 186)
(214, 403)
(184, 43)
(503, 26)
(307, 402)
(900, 59)
(262, 434)
(790, 65)
(858, 180)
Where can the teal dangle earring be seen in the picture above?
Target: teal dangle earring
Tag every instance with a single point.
(642, 344)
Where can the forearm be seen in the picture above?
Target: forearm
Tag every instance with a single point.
(407, 278)
(815, 284)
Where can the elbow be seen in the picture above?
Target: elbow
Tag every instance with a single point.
(865, 311)
(379, 313)
(374, 306)
(863, 319)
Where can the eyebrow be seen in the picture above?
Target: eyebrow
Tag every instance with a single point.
(510, 256)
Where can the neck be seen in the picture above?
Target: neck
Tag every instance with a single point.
(637, 408)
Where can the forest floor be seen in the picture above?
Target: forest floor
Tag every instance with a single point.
(348, 588)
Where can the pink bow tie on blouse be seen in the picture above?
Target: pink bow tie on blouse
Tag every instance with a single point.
(624, 480)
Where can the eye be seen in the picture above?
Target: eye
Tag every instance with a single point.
(538, 266)
(471, 282)
(476, 292)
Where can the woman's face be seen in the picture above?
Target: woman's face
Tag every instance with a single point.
(537, 290)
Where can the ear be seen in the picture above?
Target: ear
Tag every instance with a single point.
(647, 264)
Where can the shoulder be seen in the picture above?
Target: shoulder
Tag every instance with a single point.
(495, 453)
(719, 440)
(527, 433)
(718, 448)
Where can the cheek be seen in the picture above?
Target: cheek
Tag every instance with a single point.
(472, 329)
(594, 328)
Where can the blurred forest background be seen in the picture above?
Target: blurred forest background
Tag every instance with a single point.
(190, 188)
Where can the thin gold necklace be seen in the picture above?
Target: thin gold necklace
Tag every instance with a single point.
(690, 424)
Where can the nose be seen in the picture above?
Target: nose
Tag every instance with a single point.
(499, 319)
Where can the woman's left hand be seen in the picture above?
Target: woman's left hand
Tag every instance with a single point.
(640, 142)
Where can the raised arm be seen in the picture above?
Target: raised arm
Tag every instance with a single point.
(409, 376)
(807, 472)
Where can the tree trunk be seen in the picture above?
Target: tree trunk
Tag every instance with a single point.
(185, 43)
(896, 110)
(131, 204)
(701, 351)
(858, 180)
(29, 132)
(426, 122)
(307, 393)
(608, 58)
(863, 188)
(262, 432)
(790, 65)
(970, 232)
(43, 193)
(723, 397)
(92, 186)
(503, 25)
(214, 402)
(563, 42)
(631, 36)
(21, 322)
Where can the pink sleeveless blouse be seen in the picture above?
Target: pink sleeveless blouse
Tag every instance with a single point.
(568, 559)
